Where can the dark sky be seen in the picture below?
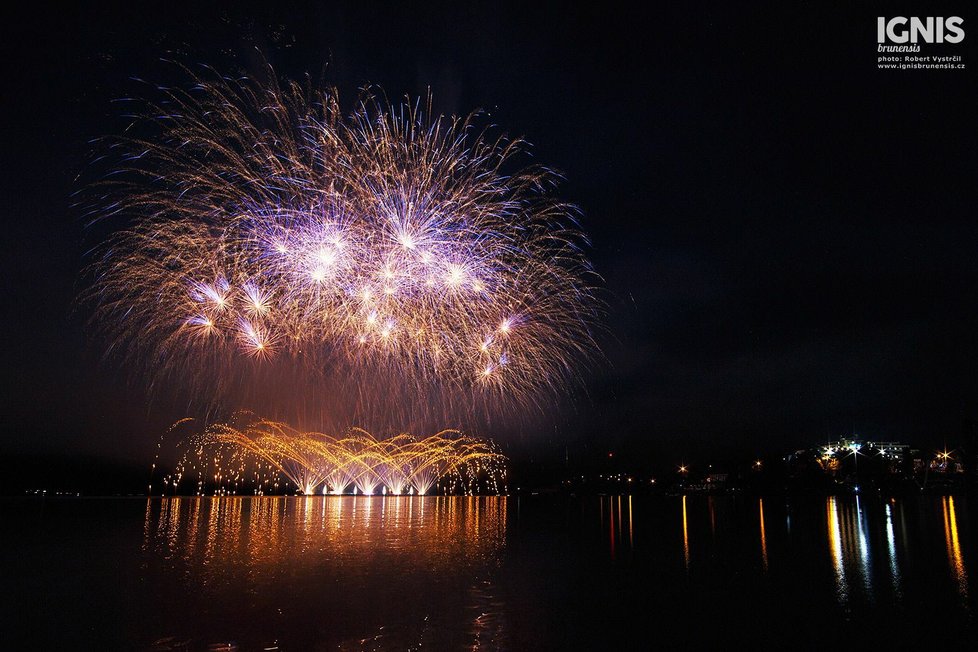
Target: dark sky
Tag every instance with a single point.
(787, 234)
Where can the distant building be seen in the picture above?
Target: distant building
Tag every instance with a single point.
(889, 449)
(881, 464)
(888, 457)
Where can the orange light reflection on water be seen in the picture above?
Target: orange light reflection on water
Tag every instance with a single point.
(617, 516)
(685, 536)
(835, 548)
(954, 557)
(244, 535)
(760, 506)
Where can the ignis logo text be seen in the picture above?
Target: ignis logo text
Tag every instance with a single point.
(900, 29)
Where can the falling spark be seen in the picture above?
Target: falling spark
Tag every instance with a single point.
(262, 454)
(261, 222)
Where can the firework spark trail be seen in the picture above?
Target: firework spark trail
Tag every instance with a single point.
(390, 248)
(266, 456)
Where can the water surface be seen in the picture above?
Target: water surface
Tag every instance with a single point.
(378, 573)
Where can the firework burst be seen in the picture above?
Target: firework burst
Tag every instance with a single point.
(390, 248)
(263, 456)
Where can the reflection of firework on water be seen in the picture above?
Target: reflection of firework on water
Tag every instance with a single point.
(270, 457)
(388, 246)
(249, 540)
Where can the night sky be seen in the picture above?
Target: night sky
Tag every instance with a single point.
(787, 235)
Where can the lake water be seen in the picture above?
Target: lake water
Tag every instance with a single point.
(486, 573)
